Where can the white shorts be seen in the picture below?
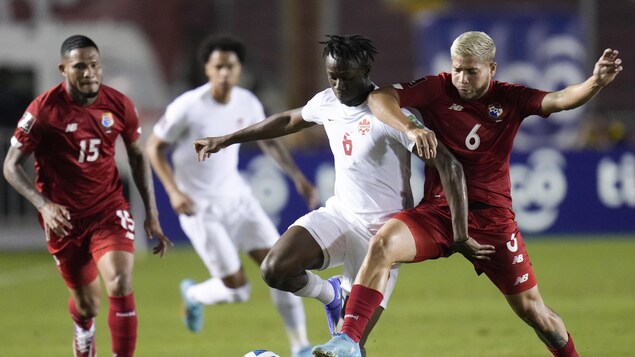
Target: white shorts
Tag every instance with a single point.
(344, 238)
(223, 228)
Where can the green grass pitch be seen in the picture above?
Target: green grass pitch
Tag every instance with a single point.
(439, 308)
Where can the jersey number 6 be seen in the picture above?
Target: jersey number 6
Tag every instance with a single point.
(472, 140)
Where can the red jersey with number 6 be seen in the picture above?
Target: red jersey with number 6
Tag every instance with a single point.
(480, 133)
(74, 147)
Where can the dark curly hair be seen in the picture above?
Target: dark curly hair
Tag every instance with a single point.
(355, 49)
(221, 43)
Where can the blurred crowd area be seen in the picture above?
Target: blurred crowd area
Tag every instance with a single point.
(603, 130)
(284, 65)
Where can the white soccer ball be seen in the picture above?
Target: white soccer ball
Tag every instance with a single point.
(261, 353)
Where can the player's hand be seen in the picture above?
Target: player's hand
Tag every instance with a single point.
(607, 67)
(57, 219)
(182, 203)
(426, 142)
(471, 249)
(307, 191)
(153, 230)
(207, 146)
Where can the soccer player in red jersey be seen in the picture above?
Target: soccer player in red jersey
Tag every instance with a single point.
(71, 131)
(477, 119)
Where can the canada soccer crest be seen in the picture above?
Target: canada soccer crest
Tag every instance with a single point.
(107, 120)
(495, 110)
(363, 127)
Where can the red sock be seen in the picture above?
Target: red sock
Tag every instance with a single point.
(567, 350)
(122, 320)
(359, 309)
(79, 320)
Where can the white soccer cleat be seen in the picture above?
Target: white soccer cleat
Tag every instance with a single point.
(84, 341)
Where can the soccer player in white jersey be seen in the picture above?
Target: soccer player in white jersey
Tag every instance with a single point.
(372, 181)
(216, 207)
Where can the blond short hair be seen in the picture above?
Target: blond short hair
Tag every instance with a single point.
(474, 44)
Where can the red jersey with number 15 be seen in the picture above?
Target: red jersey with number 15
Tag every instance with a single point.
(74, 147)
(480, 133)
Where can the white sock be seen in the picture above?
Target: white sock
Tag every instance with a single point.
(213, 292)
(291, 310)
(317, 288)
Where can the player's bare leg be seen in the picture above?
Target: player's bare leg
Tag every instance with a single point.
(547, 324)
(115, 268)
(393, 243)
(87, 299)
(294, 253)
(291, 309)
(286, 268)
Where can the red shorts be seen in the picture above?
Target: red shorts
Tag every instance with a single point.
(91, 237)
(509, 268)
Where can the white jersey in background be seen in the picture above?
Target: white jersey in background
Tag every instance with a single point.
(228, 219)
(194, 114)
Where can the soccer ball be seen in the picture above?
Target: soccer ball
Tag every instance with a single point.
(261, 353)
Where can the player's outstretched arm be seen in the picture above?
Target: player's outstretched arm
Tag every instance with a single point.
(455, 188)
(575, 95)
(140, 169)
(274, 126)
(384, 103)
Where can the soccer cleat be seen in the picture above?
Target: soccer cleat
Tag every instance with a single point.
(193, 311)
(304, 352)
(334, 308)
(339, 346)
(84, 342)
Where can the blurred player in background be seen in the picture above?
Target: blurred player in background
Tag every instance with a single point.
(372, 180)
(477, 118)
(216, 207)
(71, 131)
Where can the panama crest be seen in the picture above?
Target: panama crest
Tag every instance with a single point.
(107, 120)
(495, 110)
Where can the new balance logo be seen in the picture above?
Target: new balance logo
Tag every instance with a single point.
(456, 107)
(126, 314)
(522, 279)
(71, 127)
(518, 259)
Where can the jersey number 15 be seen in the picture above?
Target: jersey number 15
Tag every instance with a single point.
(88, 150)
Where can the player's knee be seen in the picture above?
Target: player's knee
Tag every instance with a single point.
(119, 285)
(271, 272)
(380, 249)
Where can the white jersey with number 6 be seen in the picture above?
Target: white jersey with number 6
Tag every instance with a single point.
(372, 160)
(372, 183)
